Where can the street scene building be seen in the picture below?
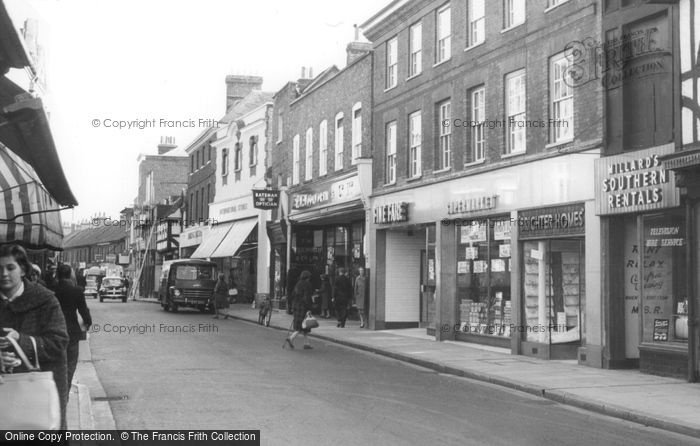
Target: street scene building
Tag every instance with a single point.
(506, 191)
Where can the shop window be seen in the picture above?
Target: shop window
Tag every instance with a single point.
(662, 272)
(553, 290)
(483, 277)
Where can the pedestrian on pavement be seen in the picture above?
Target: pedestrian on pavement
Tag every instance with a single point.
(325, 292)
(50, 277)
(359, 292)
(342, 294)
(27, 311)
(221, 297)
(35, 275)
(301, 305)
(72, 300)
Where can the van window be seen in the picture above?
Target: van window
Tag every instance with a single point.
(194, 272)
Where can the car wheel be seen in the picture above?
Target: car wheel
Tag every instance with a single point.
(173, 307)
(164, 304)
(101, 299)
(124, 299)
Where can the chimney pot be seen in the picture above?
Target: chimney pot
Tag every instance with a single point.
(303, 72)
(311, 73)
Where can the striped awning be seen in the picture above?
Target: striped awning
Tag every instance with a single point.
(28, 214)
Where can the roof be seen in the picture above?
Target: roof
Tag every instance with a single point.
(94, 236)
(250, 102)
(324, 75)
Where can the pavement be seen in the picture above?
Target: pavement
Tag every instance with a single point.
(654, 401)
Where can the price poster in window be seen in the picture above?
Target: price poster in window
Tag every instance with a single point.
(476, 232)
(661, 329)
(472, 253)
(480, 266)
(431, 269)
(504, 250)
(498, 265)
(501, 230)
(462, 267)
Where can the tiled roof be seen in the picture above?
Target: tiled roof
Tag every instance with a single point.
(93, 236)
(253, 100)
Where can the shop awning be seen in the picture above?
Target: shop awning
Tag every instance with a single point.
(28, 214)
(240, 231)
(24, 129)
(211, 241)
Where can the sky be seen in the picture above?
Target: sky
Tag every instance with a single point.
(125, 60)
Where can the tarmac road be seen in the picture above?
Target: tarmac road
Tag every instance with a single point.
(189, 371)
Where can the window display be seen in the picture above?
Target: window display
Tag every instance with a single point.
(664, 309)
(483, 276)
(553, 290)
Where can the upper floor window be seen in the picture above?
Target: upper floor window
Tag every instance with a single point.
(339, 141)
(515, 112)
(208, 152)
(562, 100)
(295, 160)
(253, 150)
(323, 148)
(197, 157)
(478, 117)
(224, 162)
(443, 47)
(415, 140)
(390, 152)
(237, 157)
(415, 49)
(445, 132)
(309, 152)
(514, 11)
(356, 132)
(392, 64)
(476, 22)
(192, 163)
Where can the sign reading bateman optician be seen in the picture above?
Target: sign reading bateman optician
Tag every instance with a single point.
(635, 182)
(552, 221)
(266, 198)
(327, 194)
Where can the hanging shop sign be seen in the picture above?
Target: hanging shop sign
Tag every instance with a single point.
(390, 213)
(552, 221)
(266, 198)
(123, 259)
(111, 258)
(326, 194)
(469, 205)
(635, 182)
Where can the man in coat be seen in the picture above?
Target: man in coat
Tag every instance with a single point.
(72, 300)
(342, 295)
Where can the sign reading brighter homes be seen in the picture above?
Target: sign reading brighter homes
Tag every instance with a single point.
(634, 182)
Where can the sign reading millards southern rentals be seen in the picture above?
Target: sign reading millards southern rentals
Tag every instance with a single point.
(326, 194)
(552, 221)
(390, 213)
(635, 182)
(266, 198)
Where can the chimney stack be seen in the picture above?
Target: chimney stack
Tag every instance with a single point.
(238, 87)
(311, 73)
(357, 49)
(167, 143)
(303, 72)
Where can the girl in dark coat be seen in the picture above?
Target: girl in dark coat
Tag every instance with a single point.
(301, 304)
(221, 297)
(29, 310)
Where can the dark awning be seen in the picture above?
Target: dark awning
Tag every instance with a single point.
(12, 52)
(24, 129)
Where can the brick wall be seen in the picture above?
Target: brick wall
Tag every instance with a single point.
(528, 46)
(201, 182)
(169, 178)
(350, 86)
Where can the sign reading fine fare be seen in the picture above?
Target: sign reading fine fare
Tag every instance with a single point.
(266, 198)
(391, 213)
(635, 182)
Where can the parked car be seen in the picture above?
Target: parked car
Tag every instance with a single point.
(93, 280)
(113, 288)
(187, 283)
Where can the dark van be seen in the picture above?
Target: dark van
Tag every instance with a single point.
(186, 283)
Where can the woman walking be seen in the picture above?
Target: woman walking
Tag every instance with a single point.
(359, 292)
(31, 315)
(221, 297)
(325, 292)
(301, 304)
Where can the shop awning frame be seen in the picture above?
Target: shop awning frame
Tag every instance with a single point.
(211, 241)
(240, 230)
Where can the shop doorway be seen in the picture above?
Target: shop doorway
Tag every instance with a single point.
(427, 288)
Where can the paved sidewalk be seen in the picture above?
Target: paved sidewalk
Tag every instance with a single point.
(664, 403)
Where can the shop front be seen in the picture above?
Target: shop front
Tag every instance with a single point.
(327, 227)
(190, 239)
(239, 245)
(448, 256)
(649, 269)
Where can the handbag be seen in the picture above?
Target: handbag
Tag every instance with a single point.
(309, 322)
(29, 400)
(233, 292)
